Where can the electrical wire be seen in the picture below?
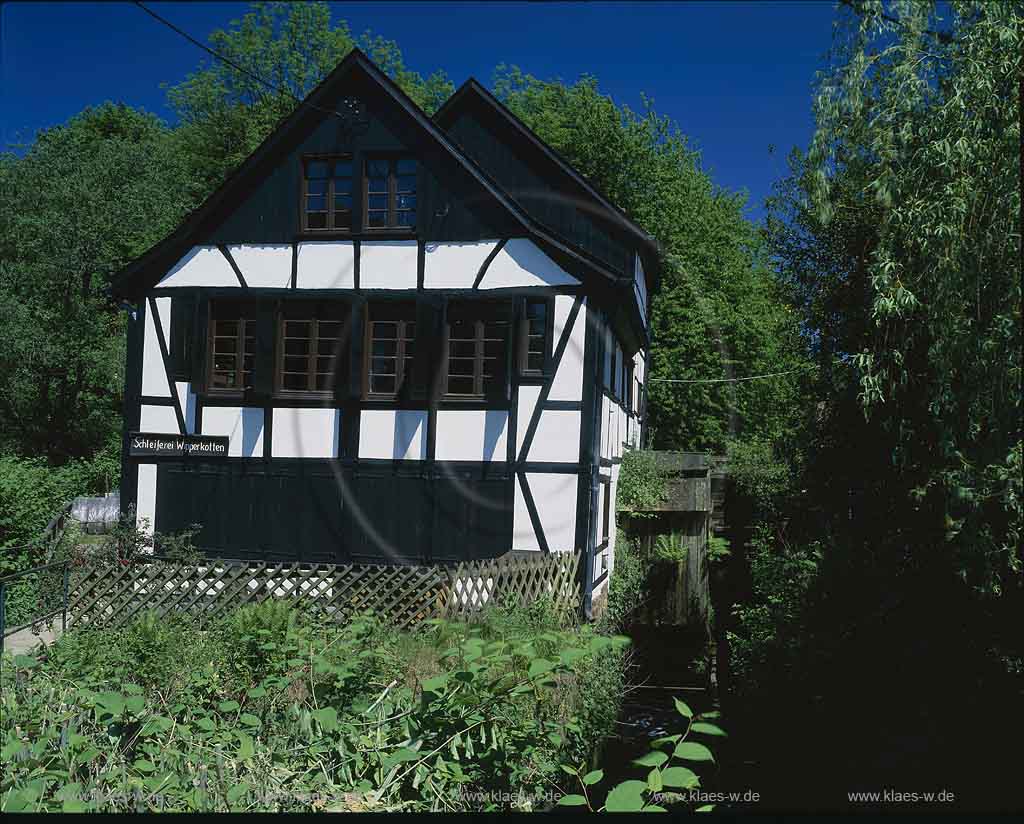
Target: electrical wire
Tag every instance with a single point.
(730, 380)
(235, 66)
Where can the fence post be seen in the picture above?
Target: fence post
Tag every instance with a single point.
(64, 610)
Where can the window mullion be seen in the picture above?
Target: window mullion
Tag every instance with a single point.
(240, 354)
(311, 356)
(392, 185)
(478, 360)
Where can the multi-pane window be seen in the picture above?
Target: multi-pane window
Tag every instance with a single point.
(327, 194)
(390, 347)
(534, 337)
(232, 346)
(390, 188)
(477, 349)
(310, 342)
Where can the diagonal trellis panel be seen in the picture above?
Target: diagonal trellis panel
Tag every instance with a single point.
(111, 596)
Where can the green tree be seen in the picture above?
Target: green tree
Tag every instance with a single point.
(924, 111)
(720, 313)
(85, 199)
(290, 47)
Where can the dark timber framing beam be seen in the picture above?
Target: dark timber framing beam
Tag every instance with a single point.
(166, 357)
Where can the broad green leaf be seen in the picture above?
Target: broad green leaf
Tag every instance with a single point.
(627, 797)
(572, 800)
(679, 777)
(327, 718)
(593, 777)
(683, 709)
(237, 792)
(708, 729)
(653, 808)
(654, 780)
(249, 719)
(246, 750)
(540, 666)
(228, 706)
(651, 759)
(205, 724)
(142, 765)
(692, 751)
(707, 808)
(435, 684)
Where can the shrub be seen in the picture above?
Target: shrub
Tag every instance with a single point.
(642, 483)
(273, 708)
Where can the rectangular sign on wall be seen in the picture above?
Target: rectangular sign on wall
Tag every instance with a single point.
(152, 445)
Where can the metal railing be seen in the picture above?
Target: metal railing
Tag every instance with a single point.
(49, 608)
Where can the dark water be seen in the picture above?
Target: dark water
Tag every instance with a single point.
(664, 667)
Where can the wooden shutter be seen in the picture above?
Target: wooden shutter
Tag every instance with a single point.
(426, 365)
(200, 340)
(182, 338)
(263, 380)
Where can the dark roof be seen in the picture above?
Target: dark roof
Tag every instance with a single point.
(141, 273)
(475, 90)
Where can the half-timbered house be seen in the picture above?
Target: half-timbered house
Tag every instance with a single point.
(391, 338)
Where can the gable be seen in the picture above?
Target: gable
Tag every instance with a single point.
(358, 111)
(550, 197)
(451, 205)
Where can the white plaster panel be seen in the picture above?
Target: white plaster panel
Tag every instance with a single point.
(242, 425)
(454, 265)
(521, 263)
(528, 396)
(201, 266)
(557, 437)
(264, 265)
(187, 399)
(471, 435)
(554, 496)
(393, 434)
(325, 264)
(387, 264)
(159, 419)
(154, 376)
(567, 384)
(304, 433)
(145, 501)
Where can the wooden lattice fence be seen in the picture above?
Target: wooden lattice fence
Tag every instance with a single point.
(111, 596)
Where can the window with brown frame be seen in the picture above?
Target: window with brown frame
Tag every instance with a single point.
(477, 348)
(327, 194)
(389, 192)
(389, 347)
(311, 340)
(232, 346)
(533, 338)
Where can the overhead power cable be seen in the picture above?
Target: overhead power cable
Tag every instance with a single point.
(730, 380)
(233, 64)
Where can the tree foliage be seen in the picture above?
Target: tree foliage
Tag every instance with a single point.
(85, 199)
(720, 314)
(922, 112)
(226, 113)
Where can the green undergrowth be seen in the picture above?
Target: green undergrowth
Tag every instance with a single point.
(273, 709)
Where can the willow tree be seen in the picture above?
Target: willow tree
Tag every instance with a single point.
(927, 110)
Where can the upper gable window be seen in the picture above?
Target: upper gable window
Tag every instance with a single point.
(390, 193)
(327, 194)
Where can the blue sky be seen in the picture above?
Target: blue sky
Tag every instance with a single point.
(735, 76)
